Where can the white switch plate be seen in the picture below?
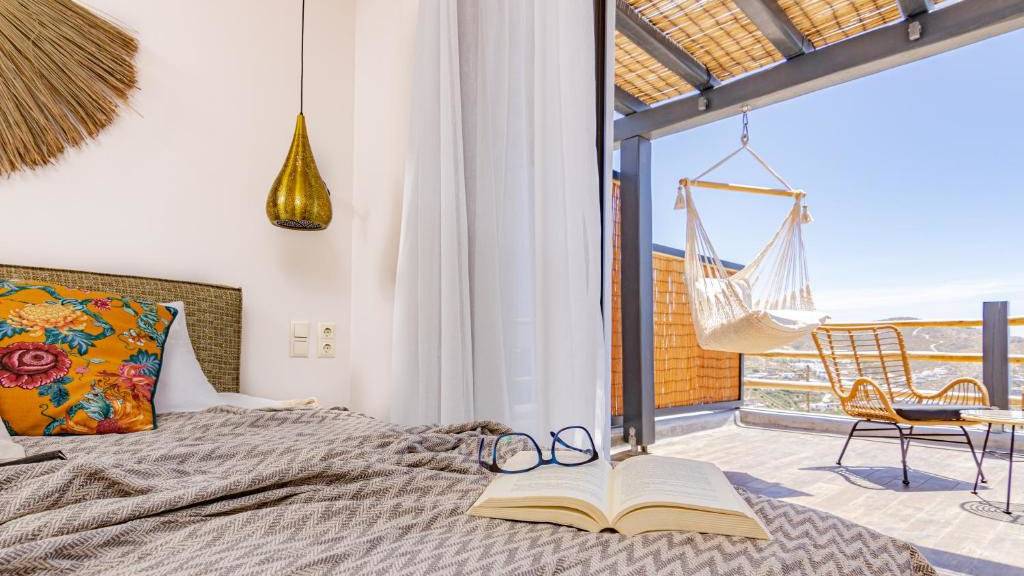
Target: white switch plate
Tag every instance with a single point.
(300, 329)
(326, 349)
(300, 349)
(327, 331)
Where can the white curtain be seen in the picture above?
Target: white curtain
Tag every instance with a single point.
(498, 310)
(433, 348)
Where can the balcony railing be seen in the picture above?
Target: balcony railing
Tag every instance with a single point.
(820, 389)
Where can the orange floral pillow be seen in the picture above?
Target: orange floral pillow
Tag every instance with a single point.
(78, 362)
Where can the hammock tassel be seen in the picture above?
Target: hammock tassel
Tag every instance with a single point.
(680, 198)
(805, 215)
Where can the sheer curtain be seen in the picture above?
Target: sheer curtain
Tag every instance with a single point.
(498, 310)
(432, 365)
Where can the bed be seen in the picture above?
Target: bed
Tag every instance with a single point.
(314, 491)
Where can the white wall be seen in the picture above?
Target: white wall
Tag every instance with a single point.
(176, 188)
(385, 39)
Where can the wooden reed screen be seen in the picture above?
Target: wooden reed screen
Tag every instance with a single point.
(684, 374)
(721, 37)
(824, 22)
(715, 32)
(638, 73)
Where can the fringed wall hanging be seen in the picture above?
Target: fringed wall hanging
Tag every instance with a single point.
(64, 72)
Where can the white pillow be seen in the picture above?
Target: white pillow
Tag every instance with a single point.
(182, 387)
(8, 449)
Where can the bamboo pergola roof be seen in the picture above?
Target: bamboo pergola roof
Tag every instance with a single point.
(680, 64)
(826, 21)
(732, 38)
(638, 73)
(715, 32)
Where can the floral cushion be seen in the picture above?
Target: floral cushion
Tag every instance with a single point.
(78, 362)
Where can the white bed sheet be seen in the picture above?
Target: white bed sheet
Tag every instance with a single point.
(256, 402)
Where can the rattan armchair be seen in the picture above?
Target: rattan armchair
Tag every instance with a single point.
(869, 371)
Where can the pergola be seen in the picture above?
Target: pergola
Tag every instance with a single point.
(679, 64)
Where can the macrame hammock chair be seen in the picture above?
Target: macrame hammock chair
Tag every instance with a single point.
(768, 303)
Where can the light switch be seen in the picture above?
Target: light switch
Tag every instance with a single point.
(300, 329)
(327, 331)
(325, 350)
(300, 348)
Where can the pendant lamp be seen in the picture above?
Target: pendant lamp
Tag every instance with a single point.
(299, 198)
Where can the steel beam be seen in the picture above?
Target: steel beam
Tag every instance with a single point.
(661, 48)
(604, 75)
(776, 26)
(604, 42)
(626, 103)
(911, 8)
(637, 284)
(880, 49)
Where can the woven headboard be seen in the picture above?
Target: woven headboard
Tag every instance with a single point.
(214, 313)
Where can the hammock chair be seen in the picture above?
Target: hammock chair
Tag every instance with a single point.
(768, 303)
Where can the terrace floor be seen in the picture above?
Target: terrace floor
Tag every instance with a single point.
(958, 532)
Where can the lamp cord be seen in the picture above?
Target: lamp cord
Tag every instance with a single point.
(302, 57)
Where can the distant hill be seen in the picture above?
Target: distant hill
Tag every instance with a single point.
(926, 374)
(935, 339)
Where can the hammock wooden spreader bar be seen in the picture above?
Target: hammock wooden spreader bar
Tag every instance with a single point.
(684, 182)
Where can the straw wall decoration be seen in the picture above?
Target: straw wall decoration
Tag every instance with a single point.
(684, 374)
(64, 72)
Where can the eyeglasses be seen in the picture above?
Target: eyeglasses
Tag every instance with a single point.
(516, 452)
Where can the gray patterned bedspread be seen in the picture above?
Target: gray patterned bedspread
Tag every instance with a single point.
(232, 491)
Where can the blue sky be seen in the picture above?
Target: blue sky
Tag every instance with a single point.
(915, 178)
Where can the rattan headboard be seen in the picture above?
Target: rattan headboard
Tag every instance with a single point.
(214, 312)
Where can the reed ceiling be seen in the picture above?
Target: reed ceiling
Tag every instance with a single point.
(729, 39)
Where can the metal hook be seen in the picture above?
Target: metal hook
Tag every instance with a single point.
(745, 135)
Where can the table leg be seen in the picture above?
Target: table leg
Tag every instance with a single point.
(1009, 479)
(981, 460)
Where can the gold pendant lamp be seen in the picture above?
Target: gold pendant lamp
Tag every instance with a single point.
(299, 198)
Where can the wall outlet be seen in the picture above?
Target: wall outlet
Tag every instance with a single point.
(325, 349)
(327, 331)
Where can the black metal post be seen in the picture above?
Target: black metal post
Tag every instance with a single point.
(603, 32)
(741, 370)
(637, 292)
(604, 55)
(995, 351)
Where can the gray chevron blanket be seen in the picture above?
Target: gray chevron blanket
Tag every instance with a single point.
(232, 491)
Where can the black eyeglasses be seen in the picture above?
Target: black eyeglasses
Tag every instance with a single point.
(512, 453)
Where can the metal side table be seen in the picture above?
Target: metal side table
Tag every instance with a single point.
(1011, 418)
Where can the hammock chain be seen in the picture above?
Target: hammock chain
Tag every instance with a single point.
(745, 135)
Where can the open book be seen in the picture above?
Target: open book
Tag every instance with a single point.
(642, 494)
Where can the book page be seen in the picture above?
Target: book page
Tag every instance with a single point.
(648, 480)
(548, 485)
(564, 515)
